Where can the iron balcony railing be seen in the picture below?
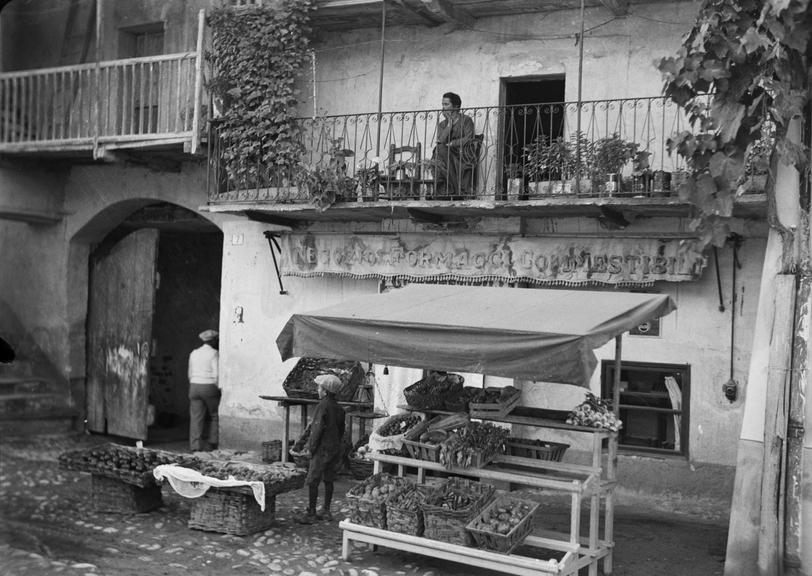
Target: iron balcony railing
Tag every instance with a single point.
(492, 153)
(111, 104)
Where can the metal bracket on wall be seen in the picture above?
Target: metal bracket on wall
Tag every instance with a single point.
(273, 242)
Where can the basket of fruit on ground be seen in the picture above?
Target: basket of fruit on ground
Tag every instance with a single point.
(449, 507)
(301, 380)
(431, 392)
(536, 449)
(388, 437)
(367, 499)
(403, 513)
(125, 463)
(503, 524)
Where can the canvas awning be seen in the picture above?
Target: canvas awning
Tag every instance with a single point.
(544, 335)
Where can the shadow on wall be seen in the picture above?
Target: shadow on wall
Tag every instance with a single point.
(28, 359)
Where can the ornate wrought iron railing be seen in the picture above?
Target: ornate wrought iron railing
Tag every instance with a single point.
(495, 153)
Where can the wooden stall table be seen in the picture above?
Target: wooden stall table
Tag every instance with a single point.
(359, 411)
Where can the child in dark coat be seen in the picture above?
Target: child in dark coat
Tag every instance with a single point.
(325, 444)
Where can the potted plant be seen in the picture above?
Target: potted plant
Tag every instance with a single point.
(515, 181)
(547, 165)
(327, 182)
(641, 173)
(583, 164)
(611, 155)
(757, 166)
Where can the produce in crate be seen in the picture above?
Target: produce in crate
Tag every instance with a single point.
(504, 524)
(493, 395)
(399, 424)
(473, 445)
(503, 516)
(594, 413)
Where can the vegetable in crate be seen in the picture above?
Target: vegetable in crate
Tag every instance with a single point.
(476, 440)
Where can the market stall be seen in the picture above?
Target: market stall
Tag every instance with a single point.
(538, 335)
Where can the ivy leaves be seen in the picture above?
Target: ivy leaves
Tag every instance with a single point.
(257, 54)
(741, 77)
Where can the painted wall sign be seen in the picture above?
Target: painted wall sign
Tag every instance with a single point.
(545, 260)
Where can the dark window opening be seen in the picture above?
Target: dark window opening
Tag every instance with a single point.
(534, 112)
(141, 86)
(654, 405)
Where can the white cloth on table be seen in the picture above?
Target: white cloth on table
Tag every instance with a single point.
(192, 484)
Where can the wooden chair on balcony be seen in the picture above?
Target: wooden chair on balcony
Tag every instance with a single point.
(404, 174)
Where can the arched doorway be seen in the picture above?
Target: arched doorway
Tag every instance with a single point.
(154, 285)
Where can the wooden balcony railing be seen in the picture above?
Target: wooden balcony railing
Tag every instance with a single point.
(508, 153)
(111, 104)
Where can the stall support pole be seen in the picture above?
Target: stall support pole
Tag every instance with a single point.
(611, 463)
(616, 379)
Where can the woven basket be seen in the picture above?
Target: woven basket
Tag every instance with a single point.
(231, 512)
(504, 543)
(448, 525)
(361, 468)
(404, 520)
(366, 511)
(300, 382)
(111, 495)
(272, 451)
(431, 393)
(536, 449)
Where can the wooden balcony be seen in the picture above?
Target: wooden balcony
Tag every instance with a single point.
(150, 103)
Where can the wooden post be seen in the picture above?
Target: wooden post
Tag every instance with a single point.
(616, 379)
(201, 26)
(775, 425)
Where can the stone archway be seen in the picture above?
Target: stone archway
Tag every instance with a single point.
(188, 260)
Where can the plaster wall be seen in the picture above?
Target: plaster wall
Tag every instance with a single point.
(697, 333)
(422, 62)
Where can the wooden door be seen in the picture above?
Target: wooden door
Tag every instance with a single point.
(122, 296)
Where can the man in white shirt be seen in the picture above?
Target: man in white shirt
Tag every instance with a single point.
(204, 394)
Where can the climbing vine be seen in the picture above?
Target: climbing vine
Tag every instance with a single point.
(256, 56)
(741, 76)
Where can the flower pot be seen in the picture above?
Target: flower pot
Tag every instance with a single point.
(514, 188)
(582, 187)
(549, 188)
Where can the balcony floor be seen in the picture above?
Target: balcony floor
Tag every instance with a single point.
(748, 206)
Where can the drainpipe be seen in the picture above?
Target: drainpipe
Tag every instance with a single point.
(97, 83)
(578, 122)
(793, 538)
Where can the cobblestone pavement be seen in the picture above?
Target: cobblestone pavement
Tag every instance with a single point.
(48, 526)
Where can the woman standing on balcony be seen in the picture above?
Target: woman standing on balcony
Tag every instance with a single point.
(454, 155)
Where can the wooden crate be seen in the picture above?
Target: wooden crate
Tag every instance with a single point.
(536, 449)
(504, 543)
(114, 495)
(231, 511)
(491, 409)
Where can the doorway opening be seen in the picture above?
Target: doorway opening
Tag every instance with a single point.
(154, 286)
(534, 112)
